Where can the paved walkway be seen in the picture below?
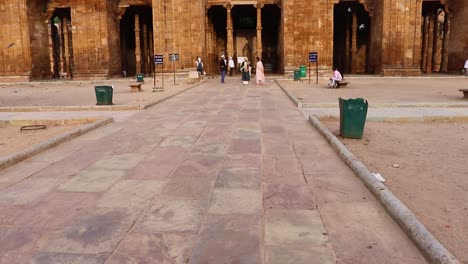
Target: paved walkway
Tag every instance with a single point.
(219, 174)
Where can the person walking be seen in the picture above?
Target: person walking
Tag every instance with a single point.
(231, 66)
(222, 68)
(245, 70)
(259, 72)
(336, 77)
(200, 66)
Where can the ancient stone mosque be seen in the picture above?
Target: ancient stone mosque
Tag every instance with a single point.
(100, 39)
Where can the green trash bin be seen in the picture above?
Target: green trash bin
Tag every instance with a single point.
(353, 114)
(140, 77)
(104, 95)
(303, 71)
(297, 75)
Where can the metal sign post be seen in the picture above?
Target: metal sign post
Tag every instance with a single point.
(313, 57)
(174, 57)
(158, 60)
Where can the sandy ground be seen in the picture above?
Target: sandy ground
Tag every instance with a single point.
(384, 90)
(13, 140)
(432, 175)
(74, 93)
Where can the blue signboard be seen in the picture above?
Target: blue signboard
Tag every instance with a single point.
(313, 56)
(158, 59)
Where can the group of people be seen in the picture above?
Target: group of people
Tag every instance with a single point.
(245, 69)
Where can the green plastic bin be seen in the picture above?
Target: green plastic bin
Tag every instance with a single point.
(353, 114)
(303, 70)
(140, 77)
(104, 95)
(297, 75)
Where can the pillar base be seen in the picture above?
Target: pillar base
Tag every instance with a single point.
(15, 78)
(391, 70)
(98, 75)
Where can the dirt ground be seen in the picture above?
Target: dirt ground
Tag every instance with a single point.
(13, 140)
(74, 93)
(431, 178)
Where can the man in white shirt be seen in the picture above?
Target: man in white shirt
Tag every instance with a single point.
(231, 66)
(336, 77)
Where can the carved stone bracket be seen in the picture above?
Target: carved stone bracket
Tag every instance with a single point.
(122, 10)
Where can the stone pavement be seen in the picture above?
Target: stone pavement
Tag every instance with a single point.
(218, 174)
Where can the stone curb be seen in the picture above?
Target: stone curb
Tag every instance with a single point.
(33, 150)
(404, 119)
(414, 229)
(290, 95)
(92, 108)
(392, 105)
(142, 107)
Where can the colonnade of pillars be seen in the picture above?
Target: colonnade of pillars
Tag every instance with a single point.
(143, 58)
(230, 30)
(435, 37)
(59, 48)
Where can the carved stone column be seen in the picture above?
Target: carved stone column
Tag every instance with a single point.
(425, 40)
(259, 30)
(230, 36)
(430, 44)
(353, 54)
(145, 49)
(137, 44)
(66, 45)
(445, 44)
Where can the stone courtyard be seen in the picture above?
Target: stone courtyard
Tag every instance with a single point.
(215, 174)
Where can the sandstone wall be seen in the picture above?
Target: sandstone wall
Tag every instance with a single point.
(307, 27)
(15, 55)
(401, 37)
(179, 27)
(458, 45)
(94, 38)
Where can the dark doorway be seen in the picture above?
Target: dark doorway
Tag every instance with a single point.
(270, 37)
(137, 57)
(351, 38)
(434, 38)
(62, 45)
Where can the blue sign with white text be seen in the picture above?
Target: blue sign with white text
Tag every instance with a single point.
(313, 56)
(158, 59)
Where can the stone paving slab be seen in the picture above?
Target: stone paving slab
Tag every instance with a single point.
(245, 184)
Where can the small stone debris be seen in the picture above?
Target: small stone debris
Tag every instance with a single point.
(396, 165)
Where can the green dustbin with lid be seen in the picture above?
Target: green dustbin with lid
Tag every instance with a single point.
(140, 77)
(353, 113)
(297, 75)
(104, 95)
(303, 70)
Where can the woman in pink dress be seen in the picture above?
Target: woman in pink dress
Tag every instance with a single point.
(259, 72)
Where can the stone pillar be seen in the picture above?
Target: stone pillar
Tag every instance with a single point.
(145, 49)
(435, 45)
(230, 37)
(259, 30)
(445, 44)
(137, 44)
(151, 51)
(352, 56)
(425, 40)
(66, 57)
(50, 24)
(430, 44)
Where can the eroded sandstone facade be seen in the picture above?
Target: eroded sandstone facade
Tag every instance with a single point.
(88, 39)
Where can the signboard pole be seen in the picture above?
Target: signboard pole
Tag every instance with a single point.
(154, 75)
(173, 66)
(316, 71)
(309, 72)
